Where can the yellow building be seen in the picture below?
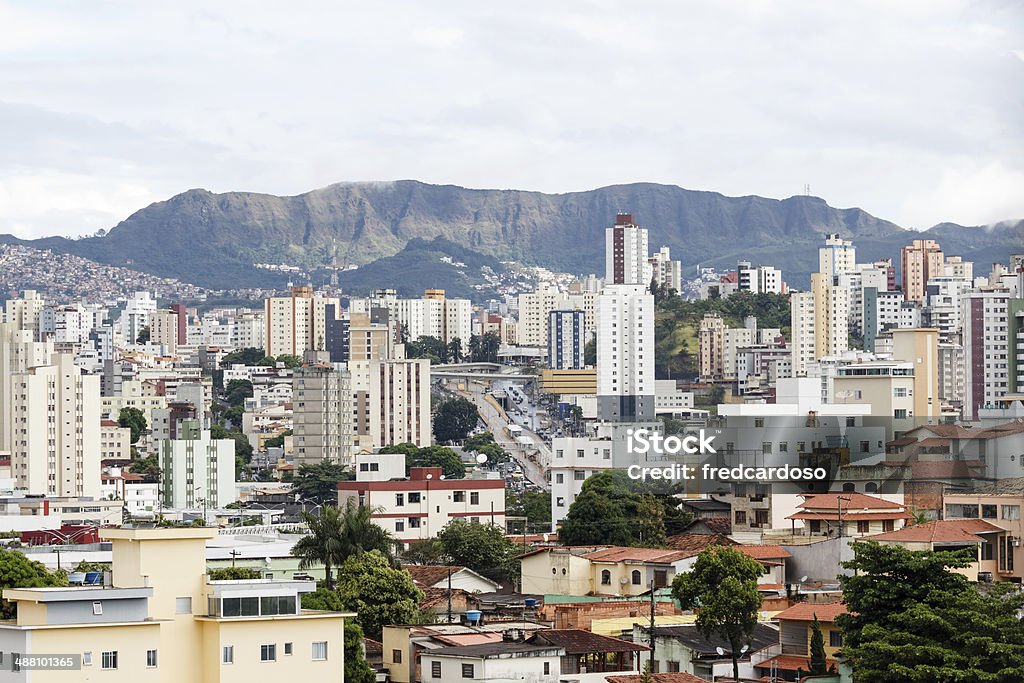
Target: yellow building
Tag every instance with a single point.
(569, 381)
(160, 619)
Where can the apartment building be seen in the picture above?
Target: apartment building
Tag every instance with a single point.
(625, 353)
(23, 313)
(115, 441)
(626, 253)
(665, 271)
(297, 323)
(819, 322)
(196, 470)
(391, 402)
(534, 311)
(759, 279)
(55, 429)
(419, 507)
(566, 339)
(921, 260)
(837, 256)
(168, 327)
(161, 620)
(322, 415)
(135, 316)
(18, 353)
(986, 344)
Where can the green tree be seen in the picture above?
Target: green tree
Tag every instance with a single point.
(427, 551)
(288, 360)
(535, 506)
(427, 347)
(454, 419)
(722, 589)
(912, 619)
(135, 420)
(590, 352)
(17, 571)
(614, 509)
(481, 547)
(143, 337)
(485, 444)
(246, 356)
(85, 566)
(148, 467)
(278, 441)
(819, 664)
(323, 599)
(357, 670)
(243, 449)
(490, 343)
(455, 350)
(322, 545)
(236, 391)
(378, 592)
(437, 456)
(233, 573)
(319, 483)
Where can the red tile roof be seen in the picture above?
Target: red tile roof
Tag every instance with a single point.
(698, 542)
(806, 611)
(850, 501)
(791, 663)
(852, 516)
(941, 531)
(624, 554)
(763, 552)
(677, 677)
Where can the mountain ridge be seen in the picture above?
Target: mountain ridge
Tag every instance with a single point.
(357, 223)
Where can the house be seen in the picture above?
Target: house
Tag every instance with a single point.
(707, 508)
(442, 576)
(998, 503)
(684, 649)
(605, 570)
(792, 654)
(419, 507)
(656, 678)
(589, 656)
(159, 605)
(848, 514)
(503, 660)
(991, 545)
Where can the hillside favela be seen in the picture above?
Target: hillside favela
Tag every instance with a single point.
(410, 431)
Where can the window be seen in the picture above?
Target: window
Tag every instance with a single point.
(1011, 512)
(766, 447)
(835, 638)
(559, 478)
(435, 669)
(606, 577)
(865, 446)
(800, 445)
(851, 422)
(547, 668)
(459, 497)
(888, 525)
(399, 499)
(474, 498)
(151, 659)
(579, 475)
(86, 659)
(287, 648)
(635, 576)
(988, 511)
(228, 655)
(277, 604)
(741, 517)
(414, 522)
(399, 525)
(899, 414)
(899, 392)
(268, 653)
(415, 497)
(673, 666)
(964, 511)
(783, 447)
(183, 605)
(660, 578)
(468, 671)
(863, 526)
(560, 502)
(987, 550)
(759, 422)
(97, 607)
(396, 656)
(108, 660)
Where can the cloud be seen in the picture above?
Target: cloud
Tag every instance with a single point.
(910, 110)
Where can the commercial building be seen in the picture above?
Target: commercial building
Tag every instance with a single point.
(419, 507)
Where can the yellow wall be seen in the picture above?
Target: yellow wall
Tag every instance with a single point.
(247, 635)
(397, 638)
(569, 381)
(130, 642)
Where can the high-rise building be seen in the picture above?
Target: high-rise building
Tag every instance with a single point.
(566, 339)
(625, 353)
(986, 348)
(135, 315)
(167, 327)
(55, 433)
(921, 260)
(24, 313)
(837, 256)
(626, 253)
(196, 470)
(710, 343)
(534, 310)
(819, 321)
(920, 346)
(297, 323)
(322, 414)
(391, 401)
(759, 279)
(249, 330)
(665, 271)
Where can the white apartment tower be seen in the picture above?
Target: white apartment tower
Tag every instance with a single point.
(297, 323)
(391, 401)
(322, 415)
(18, 353)
(135, 315)
(820, 321)
(56, 429)
(625, 353)
(24, 313)
(837, 256)
(626, 260)
(667, 272)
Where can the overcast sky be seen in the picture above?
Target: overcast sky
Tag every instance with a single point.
(912, 110)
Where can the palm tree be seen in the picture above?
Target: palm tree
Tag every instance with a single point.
(323, 543)
(337, 534)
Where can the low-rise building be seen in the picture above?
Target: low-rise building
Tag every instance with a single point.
(608, 570)
(684, 649)
(792, 655)
(848, 514)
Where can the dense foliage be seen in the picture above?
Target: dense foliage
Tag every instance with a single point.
(135, 420)
(454, 419)
(481, 547)
(233, 573)
(318, 483)
(17, 571)
(379, 593)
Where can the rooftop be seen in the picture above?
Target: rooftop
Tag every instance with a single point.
(496, 649)
(677, 677)
(763, 636)
(806, 611)
(941, 531)
(577, 641)
(624, 554)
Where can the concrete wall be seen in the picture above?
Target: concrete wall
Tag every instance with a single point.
(819, 561)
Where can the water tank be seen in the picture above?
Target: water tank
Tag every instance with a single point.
(473, 616)
(530, 602)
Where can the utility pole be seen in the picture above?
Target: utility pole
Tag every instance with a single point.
(449, 594)
(235, 552)
(650, 630)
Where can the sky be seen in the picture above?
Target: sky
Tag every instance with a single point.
(911, 110)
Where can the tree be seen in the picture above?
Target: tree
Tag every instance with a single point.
(246, 356)
(454, 419)
(427, 551)
(437, 456)
(319, 483)
(481, 547)
(428, 347)
(485, 444)
(535, 506)
(490, 343)
(819, 665)
(614, 509)
(236, 391)
(455, 350)
(288, 360)
(148, 467)
(911, 618)
(722, 589)
(590, 352)
(378, 592)
(233, 573)
(17, 571)
(278, 441)
(143, 337)
(323, 544)
(357, 670)
(135, 420)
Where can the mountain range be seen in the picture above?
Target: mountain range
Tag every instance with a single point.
(216, 240)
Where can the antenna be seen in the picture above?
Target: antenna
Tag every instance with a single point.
(807, 189)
